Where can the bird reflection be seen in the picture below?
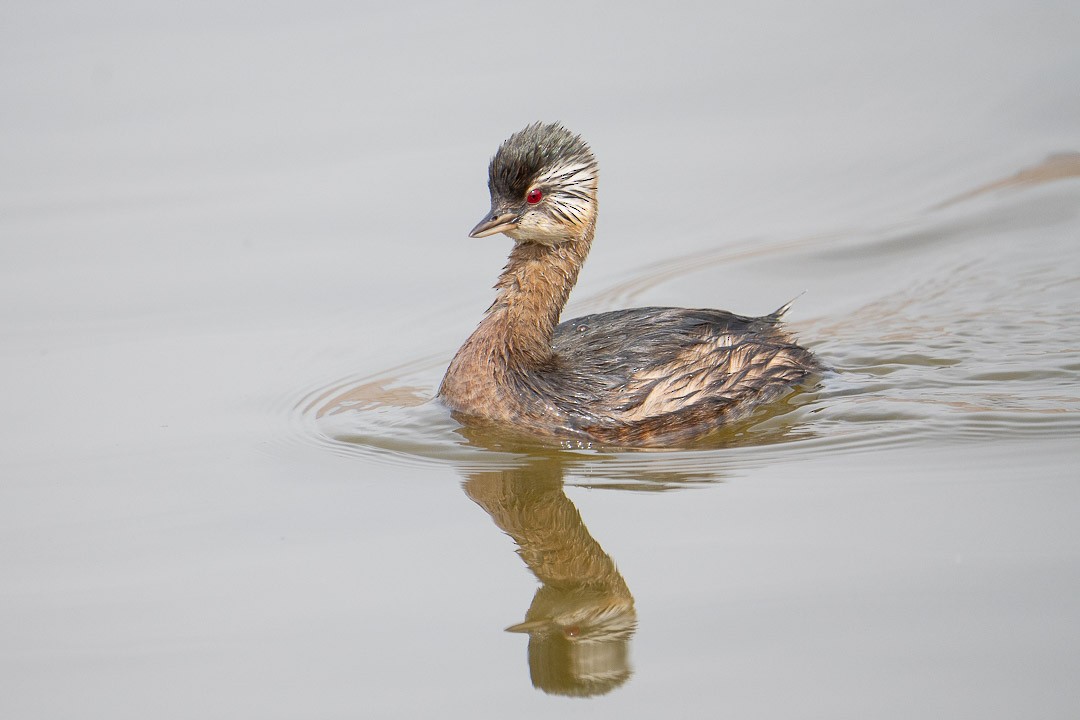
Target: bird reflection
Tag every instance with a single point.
(582, 617)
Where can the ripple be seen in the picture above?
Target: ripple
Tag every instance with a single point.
(978, 344)
(359, 418)
(390, 418)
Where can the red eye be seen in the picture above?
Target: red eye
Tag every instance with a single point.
(534, 196)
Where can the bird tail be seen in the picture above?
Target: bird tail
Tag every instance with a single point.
(779, 312)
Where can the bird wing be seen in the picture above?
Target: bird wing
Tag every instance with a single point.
(648, 362)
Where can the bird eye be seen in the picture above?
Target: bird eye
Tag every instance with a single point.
(534, 196)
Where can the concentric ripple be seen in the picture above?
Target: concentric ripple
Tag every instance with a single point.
(975, 341)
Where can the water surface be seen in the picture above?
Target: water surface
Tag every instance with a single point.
(233, 267)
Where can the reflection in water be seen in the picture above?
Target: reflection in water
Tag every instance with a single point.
(582, 617)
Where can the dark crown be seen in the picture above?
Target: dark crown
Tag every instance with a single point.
(523, 155)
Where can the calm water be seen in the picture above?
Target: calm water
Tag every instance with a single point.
(233, 267)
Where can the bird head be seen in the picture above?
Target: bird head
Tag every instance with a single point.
(543, 187)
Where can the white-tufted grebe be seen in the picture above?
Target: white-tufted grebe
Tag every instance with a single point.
(642, 377)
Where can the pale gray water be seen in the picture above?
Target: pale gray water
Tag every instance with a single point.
(218, 223)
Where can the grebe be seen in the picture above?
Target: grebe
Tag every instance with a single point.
(642, 377)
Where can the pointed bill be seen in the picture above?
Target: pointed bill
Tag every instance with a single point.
(496, 221)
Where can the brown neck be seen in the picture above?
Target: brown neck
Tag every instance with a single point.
(532, 292)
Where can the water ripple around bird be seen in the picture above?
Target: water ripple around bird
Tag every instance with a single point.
(963, 331)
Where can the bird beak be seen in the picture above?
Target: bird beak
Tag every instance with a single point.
(497, 221)
(529, 626)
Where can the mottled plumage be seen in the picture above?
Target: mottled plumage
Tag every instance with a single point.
(646, 376)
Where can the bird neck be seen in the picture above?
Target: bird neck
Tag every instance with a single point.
(532, 292)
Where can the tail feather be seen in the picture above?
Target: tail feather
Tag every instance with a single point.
(779, 312)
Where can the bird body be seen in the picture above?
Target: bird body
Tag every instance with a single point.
(644, 376)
